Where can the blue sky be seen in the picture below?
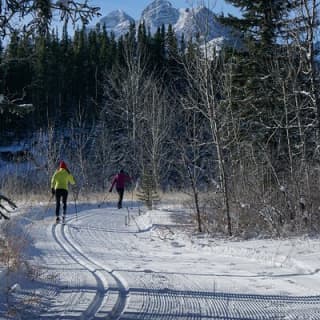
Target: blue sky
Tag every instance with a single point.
(135, 7)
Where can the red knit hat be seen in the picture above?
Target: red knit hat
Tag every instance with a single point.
(62, 165)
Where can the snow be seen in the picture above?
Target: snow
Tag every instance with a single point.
(137, 264)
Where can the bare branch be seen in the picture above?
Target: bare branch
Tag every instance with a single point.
(36, 16)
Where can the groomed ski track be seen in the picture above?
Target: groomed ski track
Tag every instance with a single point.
(110, 298)
(110, 270)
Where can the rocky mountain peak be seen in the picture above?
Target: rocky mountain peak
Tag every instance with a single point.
(117, 22)
(159, 12)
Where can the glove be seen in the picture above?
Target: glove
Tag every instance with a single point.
(53, 191)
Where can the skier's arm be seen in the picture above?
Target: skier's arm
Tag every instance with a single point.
(53, 180)
(71, 179)
(129, 179)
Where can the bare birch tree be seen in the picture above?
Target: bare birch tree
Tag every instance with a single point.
(154, 130)
(125, 91)
(205, 91)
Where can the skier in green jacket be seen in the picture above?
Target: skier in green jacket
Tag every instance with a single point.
(59, 187)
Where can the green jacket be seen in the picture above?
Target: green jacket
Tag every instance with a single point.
(61, 178)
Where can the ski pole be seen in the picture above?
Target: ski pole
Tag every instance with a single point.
(48, 205)
(132, 198)
(105, 198)
(75, 195)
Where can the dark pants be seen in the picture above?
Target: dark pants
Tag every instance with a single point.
(61, 193)
(120, 193)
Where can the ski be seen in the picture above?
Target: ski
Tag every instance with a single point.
(62, 221)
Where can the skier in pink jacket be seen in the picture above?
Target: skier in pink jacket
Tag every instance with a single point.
(120, 181)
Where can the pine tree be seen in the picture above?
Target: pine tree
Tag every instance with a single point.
(114, 50)
(66, 68)
(104, 48)
(260, 24)
(1, 69)
(172, 54)
(143, 40)
(182, 46)
(261, 20)
(148, 193)
(81, 66)
(158, 48)
(40, 71)
(171, 44)
(15, 81)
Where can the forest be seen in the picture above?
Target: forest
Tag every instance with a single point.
(237, 129)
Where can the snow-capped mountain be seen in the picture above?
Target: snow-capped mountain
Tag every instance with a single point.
(186, 21)
(117, 22)
(200, 21)
(157, 13)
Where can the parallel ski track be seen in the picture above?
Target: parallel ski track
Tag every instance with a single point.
(150, 300)
(100, 307)
(173, 305)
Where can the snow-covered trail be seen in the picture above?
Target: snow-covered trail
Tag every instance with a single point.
(106, 268)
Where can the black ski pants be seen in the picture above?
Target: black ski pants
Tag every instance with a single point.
(61, 194)
(120, 193)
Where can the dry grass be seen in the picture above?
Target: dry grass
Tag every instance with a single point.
(18, 271)
(33, 198)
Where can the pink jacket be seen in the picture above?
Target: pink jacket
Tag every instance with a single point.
(120, 180)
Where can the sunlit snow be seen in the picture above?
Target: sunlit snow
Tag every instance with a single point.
(137, 264)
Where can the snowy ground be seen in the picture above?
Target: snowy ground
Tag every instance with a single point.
(105, 265)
